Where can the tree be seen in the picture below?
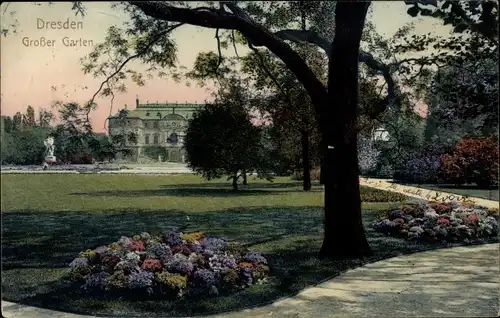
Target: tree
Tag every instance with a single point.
(45, 118)
(8, 124)
(29, 120)
(17, 122)
(474, 160)
(287, 105)
(221, 140)
(335, 105)
(338, 146)
(24, 147)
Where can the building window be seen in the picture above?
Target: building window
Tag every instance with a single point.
(147, 114)
(155, 139)
(172, 139)
(155, 124)
(159, 115)
(146, 140)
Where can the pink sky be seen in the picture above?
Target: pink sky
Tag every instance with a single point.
(29, 73)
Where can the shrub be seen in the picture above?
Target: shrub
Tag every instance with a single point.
(368, 156)
(172, 264)
(375, 195)
(474, 160)
(422, 169)
(445, 222)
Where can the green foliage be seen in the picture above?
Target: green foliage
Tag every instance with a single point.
(474, 160)
(24, 147)
(220, 139)
(463, 98)
(375, 195)
(479, 17)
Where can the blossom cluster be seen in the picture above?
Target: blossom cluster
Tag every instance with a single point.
(171, 263)
(445, 222)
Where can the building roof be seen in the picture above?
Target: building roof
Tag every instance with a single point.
(169, 105)
(153, 109)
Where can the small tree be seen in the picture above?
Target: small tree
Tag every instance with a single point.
(221, 140)
(472, 160)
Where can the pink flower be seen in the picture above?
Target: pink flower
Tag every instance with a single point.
(151, 265)
(472, 219)
(137, 246)
(443, 221)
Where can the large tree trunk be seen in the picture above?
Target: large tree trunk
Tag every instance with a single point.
(344, 233)
(306, 164)
(235, 182)
(244, 172)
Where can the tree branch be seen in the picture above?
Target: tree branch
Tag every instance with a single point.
(106, 81)
(364, 57)
(254, 33)
(233, 39)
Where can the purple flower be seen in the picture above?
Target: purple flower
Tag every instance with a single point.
(214, 243)
(204, 277)
(96, 281)
(101, 249)
(126, 242)
(79, 262)
(255, 257)
(162, 250)
(141, 279)
(195, 248)
(207, 253)
(128, 266)
(173, 239)
(180, 264)
(221, 262)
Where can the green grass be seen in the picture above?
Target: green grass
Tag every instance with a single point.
(186, 193)
(464, 190)
(49, 219)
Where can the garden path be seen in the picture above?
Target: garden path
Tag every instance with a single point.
(456, 282)
(420, 193)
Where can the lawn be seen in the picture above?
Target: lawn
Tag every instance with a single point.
(48, 219)
(470, 190)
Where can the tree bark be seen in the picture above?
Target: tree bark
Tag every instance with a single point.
(344, 235)
(244, 173)
(235, 182)
(306, 163)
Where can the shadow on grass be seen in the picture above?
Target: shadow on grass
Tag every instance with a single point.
(38, 246)
(207, 190)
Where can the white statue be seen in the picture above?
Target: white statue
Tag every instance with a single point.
(49, 144)
(50, 148)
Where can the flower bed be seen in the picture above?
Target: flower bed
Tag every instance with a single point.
(172, 264)
(445, 222)
(369, 194)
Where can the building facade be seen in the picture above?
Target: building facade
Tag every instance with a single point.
(158, 129)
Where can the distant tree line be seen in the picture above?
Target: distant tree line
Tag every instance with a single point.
(23, 136)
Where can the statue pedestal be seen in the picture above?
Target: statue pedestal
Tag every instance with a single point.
(50, 159)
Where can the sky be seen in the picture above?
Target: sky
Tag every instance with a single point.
(29, 74)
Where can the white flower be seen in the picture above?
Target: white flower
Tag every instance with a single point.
(132, 256)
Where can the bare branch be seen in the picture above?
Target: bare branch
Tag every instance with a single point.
(269, 73)
(106, 81)
(233, 38)
(305, 36)
(110, 108)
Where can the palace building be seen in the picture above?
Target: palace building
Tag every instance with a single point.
(159, 129)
